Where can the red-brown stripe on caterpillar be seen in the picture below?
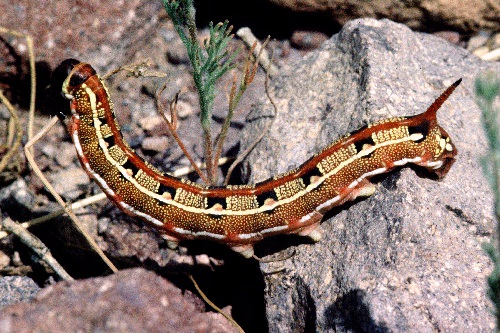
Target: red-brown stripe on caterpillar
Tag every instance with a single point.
(240, 216)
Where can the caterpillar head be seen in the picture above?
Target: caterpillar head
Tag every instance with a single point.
(68, 76)
(441, 152)
(53, 93)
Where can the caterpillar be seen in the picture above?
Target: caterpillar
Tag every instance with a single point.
(242, 215)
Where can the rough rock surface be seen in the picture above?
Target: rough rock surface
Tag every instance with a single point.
(129, 301)
(422, 15)
(93, 29)
(409, 258)
(14, 289)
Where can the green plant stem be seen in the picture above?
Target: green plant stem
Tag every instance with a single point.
(209, 64)
(487, 89)
(233, 103)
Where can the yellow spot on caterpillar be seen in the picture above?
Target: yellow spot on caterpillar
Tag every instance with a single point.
(189, 198)
(449, 147)
(289, 189)
(146, 181)
(320, 167)
(442, 143)
(116, 154)
(241, 202)
(129, 172)
(167, 195)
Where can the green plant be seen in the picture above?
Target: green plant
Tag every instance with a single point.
(209, 63)
(487, 89)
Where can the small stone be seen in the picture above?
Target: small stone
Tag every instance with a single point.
(177, 53)
(184, 109)
(495, 41)
(16, 259)
(17, 196)
(482, 50)
(4, 113)
(4, 260)
(49, 151)
(451, 36)
(150, 123)
(168, 35)
(308, 40)
(156, 144)
(70, 183)
(65, 154)
(15, 289)
(154, 126)
(478, 40)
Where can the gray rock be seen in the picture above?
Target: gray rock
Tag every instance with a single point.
(70, 183)
(15, 289)
(17, 198)
(65, 154)
(409, 258)
(156, 144)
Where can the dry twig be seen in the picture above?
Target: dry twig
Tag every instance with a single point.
(36, 245)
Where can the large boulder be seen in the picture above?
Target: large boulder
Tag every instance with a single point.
(408, 258)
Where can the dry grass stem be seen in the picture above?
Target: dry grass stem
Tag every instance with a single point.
(249, 39)
(36, 245)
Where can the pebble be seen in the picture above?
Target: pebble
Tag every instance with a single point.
(49, 151)
(184, 109)
(4, 260)
(485, 45)
(150, 123)
(15, 289)
(153, 126)
(451, 36)
(16, 195)
(480, 39)
(481, 51)
(4, 113)
(70, 183)
(307, 40)
(156, 143)
(65, 154)
(495, 41)
(177, 53)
